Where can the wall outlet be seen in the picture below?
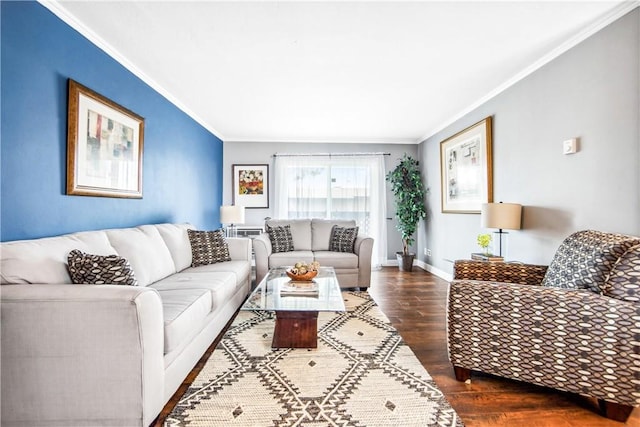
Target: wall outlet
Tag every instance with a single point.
(428, 252)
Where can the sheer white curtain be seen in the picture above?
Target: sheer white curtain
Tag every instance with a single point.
(336, 187)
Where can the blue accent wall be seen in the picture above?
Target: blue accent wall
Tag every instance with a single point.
(182, 178)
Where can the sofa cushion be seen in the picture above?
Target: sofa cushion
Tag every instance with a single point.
(221, 285)
(208, 247)
(184, 311)
(176, 238)
(45, 260)
(286, 259)
(624, 281)
(281, 239)
(100, 269)
(146, 251)
(585, 260)
(240, 269)
(336, 259)
(300, 231)
(321, 232)
(343, 238)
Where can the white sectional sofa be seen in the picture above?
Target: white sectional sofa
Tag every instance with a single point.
(83, 355)
(311, 242)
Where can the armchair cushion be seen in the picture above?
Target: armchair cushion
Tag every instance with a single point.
(585, 259)
(624, 281)
(281, 238)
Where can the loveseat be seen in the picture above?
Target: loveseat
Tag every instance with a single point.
(81, 354)
(572, 326)
(311, 240)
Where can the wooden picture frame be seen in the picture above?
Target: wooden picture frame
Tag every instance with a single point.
(250, 185)
(466, 172)
(104, 146)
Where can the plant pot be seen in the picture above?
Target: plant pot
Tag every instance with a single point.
(405, 262)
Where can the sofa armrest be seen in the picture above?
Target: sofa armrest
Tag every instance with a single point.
(363, 247)
(526, 274)
(262, 250)
(81, 354)
(548, 336)
(239, 248)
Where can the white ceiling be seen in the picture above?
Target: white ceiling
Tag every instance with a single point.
(367, 71)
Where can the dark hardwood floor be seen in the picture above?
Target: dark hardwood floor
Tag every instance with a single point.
(415, 304)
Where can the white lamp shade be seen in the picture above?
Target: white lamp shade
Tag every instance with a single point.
(501, 215)
(232, 214)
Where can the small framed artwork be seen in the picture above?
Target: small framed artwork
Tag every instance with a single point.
(466, 169)
(104, 146)
(250, 185)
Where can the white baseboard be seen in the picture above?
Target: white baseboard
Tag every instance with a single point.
(390, 263)
(436, 271)
(423, 265)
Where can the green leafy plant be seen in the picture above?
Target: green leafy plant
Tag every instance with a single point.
(484, 240)
(409, 193)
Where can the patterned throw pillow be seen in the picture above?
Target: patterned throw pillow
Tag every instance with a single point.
(585, 259)
(624, 281)
(281, 239)
(100, 269)
(208, 247)
(343, 238)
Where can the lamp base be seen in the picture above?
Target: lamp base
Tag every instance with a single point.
(232, 231)
(500, 245)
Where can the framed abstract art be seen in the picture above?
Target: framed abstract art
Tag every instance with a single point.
(104, 146)
(466, 169)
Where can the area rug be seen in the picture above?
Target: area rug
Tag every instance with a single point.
(361, 374)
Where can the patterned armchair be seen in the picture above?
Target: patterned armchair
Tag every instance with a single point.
(574, 326)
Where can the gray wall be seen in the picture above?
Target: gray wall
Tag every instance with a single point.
(591, 92)
(262, 153)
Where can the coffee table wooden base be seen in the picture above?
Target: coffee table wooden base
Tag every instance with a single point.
(295, 329)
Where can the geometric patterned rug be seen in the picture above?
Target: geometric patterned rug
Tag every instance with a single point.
(361, 374)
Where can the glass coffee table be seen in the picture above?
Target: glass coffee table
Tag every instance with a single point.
(296, 305)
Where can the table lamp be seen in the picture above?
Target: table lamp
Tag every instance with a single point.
(501, 216)
(232, 215)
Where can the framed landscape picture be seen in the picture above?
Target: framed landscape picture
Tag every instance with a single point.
(104, 146)
(465, 169)
(250, 185)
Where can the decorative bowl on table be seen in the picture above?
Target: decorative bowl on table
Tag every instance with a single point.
(305, 277)
(303, 272)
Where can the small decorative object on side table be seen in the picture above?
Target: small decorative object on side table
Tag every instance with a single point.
(484, 240)
(486, 257)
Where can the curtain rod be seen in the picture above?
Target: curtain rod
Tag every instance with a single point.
(329, 154)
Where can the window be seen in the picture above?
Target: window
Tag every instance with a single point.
(336, 187)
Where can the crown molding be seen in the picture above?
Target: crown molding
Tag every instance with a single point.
(610, 17)
(57, 9)
(407, 141)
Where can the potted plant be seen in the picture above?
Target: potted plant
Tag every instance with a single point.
(484, 240)
(409, 192)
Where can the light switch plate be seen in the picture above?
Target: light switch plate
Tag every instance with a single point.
(570, 146)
